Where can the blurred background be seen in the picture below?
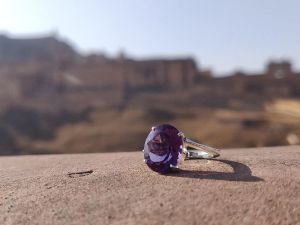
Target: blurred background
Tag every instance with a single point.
(95, 76)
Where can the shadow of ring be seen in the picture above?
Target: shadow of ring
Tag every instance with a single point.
(241, 172)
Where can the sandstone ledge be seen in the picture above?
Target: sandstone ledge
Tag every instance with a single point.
(244, 186)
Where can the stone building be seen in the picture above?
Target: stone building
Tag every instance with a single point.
(279, 69)
(40, 49)
(168, 73)
(49, 65)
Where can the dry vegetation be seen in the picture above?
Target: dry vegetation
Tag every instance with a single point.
(112, 130)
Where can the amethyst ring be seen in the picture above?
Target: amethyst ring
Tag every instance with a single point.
(165, 146)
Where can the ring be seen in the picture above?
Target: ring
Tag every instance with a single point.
(165, 146)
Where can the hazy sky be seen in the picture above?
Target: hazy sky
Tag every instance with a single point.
(221, 34)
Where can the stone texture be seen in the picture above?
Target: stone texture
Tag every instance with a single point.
(244, 186)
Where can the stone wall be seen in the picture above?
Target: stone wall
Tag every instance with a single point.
(47, 64)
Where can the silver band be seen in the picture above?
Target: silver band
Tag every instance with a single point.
(198, 151)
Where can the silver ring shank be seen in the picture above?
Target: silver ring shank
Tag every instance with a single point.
(199, 151)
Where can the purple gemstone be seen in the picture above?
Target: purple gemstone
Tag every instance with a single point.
(163, 148)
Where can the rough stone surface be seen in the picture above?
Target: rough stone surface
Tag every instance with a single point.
(244, 186)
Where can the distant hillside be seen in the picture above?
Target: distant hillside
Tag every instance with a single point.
(14, 50)
(53, 99)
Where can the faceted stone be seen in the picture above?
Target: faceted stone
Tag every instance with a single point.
(163, 148)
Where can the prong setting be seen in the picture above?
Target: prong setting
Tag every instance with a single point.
(180, 134)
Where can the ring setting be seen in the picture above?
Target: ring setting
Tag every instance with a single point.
(166, 146)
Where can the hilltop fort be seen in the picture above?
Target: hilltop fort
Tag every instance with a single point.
(47, 64)
(46, 84)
